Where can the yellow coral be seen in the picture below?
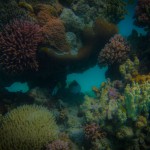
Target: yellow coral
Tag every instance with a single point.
(28, 127)
(26, 6)
(141, 78)
(141, 122)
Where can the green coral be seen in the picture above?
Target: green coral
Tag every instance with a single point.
(115, 10)
(129, 68)
(27, 127)
(137, 99)
(124, 133)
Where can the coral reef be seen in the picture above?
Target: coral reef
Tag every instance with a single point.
(142, 13)
(137, 99)
(18, 46)
(115, 10)
(72, 22)
(27, 127)
(124, 133)
(129, 69)
(93, 132)
(58, 145)
(54, 33)
(10, 11)
(141, 122)
(116, 51)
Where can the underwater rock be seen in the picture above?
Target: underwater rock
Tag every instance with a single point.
(72, 22)
(74, 42)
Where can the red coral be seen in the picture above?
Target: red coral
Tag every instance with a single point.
(18, 46)
(116, 51)
(142, 13)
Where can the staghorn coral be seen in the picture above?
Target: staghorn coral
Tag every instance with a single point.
(58, 145)
(116, 51)
(18, 46)
(142, 13)
(27, 127)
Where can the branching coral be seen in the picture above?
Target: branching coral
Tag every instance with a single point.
(116, 51)
(27, 127)
(18, 46)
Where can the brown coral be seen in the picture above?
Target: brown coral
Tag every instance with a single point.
(54, 32)
(93, 132)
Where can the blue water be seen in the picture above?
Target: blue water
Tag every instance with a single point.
(18, 87)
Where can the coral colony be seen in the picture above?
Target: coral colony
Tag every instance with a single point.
(41, 42)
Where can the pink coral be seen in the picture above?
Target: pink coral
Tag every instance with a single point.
(116, 51)
(58, 145)
(18, 46)
(142, 13)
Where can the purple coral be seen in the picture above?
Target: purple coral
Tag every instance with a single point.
(116, 51)
(113, 93)
(142, 13)
(58, 145)
(18, 46)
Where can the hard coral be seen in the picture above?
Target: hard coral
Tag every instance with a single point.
(54, 32)
(115, 10)
(28, 127)
(116, 51)
(142, 13)
(93, 132)
(58, 145)
(18, 46)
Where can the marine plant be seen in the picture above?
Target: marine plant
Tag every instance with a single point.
(27, 127)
